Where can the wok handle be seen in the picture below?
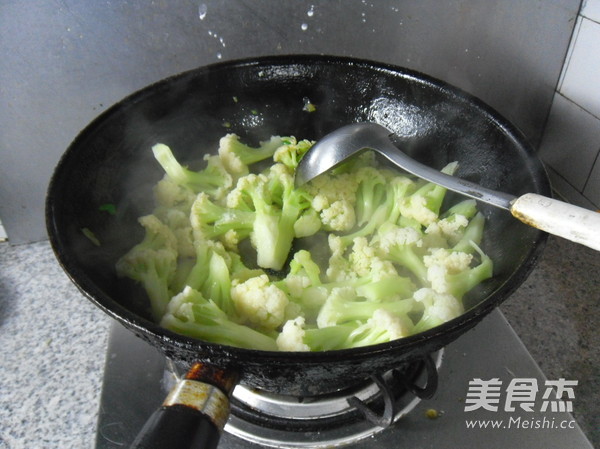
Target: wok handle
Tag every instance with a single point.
(556, 217)
(193, 414)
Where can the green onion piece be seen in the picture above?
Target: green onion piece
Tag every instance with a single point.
(91, 236)
(110, 208)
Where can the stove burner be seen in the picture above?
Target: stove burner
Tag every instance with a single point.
(344, 417)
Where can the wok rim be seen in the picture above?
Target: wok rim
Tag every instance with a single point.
(147, 329)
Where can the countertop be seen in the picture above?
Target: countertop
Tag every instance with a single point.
(53, 342)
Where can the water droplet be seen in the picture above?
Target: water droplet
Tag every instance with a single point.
(202, 10)
(311, 11)
(304, 26)
(219, 55)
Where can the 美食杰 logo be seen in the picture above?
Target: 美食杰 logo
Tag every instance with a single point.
(521, 395)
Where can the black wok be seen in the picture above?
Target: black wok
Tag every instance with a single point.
(111, 162)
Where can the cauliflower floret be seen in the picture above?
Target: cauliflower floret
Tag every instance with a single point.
(334, 197)
(438, 307)
(441, 262)
(454, 261)
(291, 337)
(415, 207)
(333, 308)
(361, 256)
(401, 236)
(178, 221)
(334, 187)
(291, 152)
(260, 302)
(395, 326)
(365, 262)
(382, 269)
(296, 283)
(339, 268)
(339, 216)
(307, 224)
(185, 241)
(320, 202)
(239, 198)
(453, 227)
(230, 240)
(448, 229)
(169, 194)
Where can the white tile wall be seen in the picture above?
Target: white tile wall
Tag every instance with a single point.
(592, 187)
(591, 10)
(580, 79)
(571, 142)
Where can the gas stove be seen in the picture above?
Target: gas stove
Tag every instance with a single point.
(396, 409)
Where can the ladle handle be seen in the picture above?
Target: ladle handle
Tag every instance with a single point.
(193, 414)
(556, 217)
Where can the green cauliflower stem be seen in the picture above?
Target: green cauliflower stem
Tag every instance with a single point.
(213, 179)
(291, 152)
(189, 313)
(425, 203)
(445, 278)
(237, 156)
(210, 220)
(438, 308)
(382, 327)
(277, 205)
(473, 233)
(370, 194)
(152, 262)
(386, 210)
(343, 305)
(404, 247)
(211, 274)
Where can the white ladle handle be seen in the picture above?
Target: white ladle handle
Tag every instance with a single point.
(556, 217)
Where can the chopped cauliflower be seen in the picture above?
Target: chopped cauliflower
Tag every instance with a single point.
(308, 224)
(296, 284)
(438, 307)
(340, 268)
(228, 254)
(260, 302)
(169, 194)
(454, 261)
(415, 207)
(339, 216)
(361, 256)
(399, 236)
(330, 312)
(395, 326)
(291, 337)
(446, 229)
(365, 262)
(230, 240)
(334, 187)
(441, 262)
(334, 197)
(237, 197)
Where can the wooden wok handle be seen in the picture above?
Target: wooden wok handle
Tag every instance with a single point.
(193, 414)
(556, 217)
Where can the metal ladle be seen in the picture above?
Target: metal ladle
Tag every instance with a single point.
(555, 217)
